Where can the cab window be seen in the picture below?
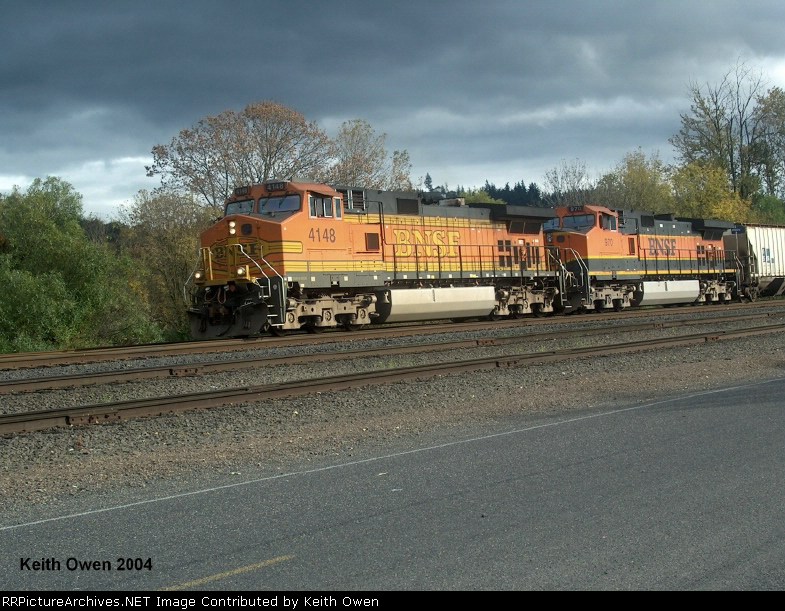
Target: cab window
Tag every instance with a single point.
(272, 205)
(242, 207)
(579, 221)
(321, 207)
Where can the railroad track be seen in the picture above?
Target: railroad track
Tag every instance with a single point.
(202, 368)
(104, 413)
(30, 360)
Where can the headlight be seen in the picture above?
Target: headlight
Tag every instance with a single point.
(232, 229)
(198, 275)
(232, 224)
(241, 271)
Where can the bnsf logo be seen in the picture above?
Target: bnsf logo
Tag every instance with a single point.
(430, 243)
(662, 246)
(251, 248)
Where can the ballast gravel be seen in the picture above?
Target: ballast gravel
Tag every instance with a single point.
(67, 470)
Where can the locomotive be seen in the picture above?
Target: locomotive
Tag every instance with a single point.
(289, 255)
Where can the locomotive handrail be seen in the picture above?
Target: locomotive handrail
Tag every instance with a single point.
(259, 267)
(471, 259)
(381, 216)
(562, 273)
(565, 273)
(187, 282)
(280, 303)
(207, 258)
(740, 275)
(584, 270)
(743, 272)
(382, 233)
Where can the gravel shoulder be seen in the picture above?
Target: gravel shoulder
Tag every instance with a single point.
(68, 470)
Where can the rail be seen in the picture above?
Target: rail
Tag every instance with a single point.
(104, 413)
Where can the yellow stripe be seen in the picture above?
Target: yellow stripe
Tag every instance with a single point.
(232, 573)
(279, 247)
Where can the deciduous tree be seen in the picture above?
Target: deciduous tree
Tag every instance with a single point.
(770, 153)
(637, 183)
(162, 234)
(724, 129)
(569, 184)
(362, 159)
(702, 191)
(264, 141)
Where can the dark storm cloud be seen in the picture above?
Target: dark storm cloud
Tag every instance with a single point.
(496, 90)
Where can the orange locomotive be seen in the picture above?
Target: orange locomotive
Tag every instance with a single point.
(296, 255)
(615, 259)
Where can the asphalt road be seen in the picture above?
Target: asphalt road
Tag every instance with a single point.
(684, 494)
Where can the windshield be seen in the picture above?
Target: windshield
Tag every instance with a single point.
(580, 221)
(271, 205)
(242, 207)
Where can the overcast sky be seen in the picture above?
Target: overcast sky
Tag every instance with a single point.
(498, 90)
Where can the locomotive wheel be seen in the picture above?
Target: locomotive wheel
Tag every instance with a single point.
(348, 323)
(537, 310)
(278, 332)
(617, 305)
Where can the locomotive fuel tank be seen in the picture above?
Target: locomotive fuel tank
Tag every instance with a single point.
(410, 305)
(666, 292)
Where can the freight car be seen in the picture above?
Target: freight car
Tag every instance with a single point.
(290, 255)
(761, 253)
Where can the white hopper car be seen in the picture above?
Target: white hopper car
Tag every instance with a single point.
(760, 250)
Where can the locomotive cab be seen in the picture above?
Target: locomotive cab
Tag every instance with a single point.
(279, 243)
(596, 257)
(589, 242)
